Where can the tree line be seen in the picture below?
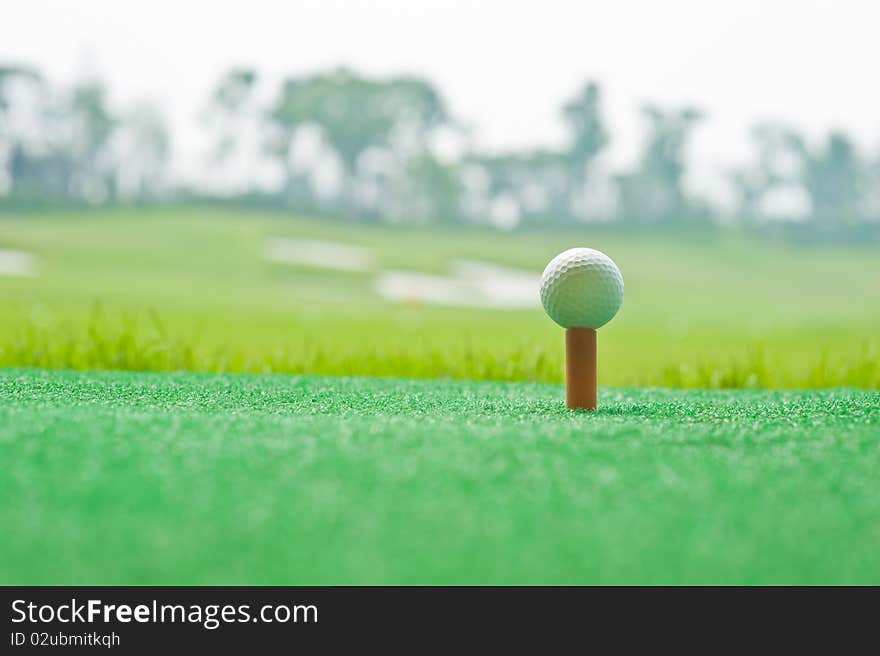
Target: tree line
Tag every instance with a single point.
(388, 149)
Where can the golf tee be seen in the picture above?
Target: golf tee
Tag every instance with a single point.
(580, 368)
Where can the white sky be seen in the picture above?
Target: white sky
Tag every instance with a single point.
(504, 66)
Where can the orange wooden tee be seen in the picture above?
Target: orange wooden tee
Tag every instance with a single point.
(580, 368)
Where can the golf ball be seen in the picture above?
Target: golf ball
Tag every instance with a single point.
(581, 287)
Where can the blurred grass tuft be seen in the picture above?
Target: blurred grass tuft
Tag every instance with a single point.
(131, 343)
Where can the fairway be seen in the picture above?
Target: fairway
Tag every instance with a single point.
(147, 478)
(187, 289)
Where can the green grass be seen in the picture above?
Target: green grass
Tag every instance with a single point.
(188, 290)
(124, 478)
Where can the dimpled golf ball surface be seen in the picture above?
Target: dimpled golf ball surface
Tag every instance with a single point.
(581, 287)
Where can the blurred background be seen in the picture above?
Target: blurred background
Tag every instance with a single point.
(374, 188)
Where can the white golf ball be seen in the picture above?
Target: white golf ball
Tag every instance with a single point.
(581, 287)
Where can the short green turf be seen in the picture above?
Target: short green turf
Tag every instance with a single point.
(145, 478)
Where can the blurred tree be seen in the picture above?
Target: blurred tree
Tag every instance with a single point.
(535, 184)
(142, 147)
(654, 191)
(92, 125)
(833, 178)
(588, 136)
(235, 122)
(354, 115)
(872, 196)
(67, 146)
(230, 106)
(775, 168)
(9, 75)
(60, 151)
(544, 185)
(39, 132)
(23, 130)
(417, 189)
